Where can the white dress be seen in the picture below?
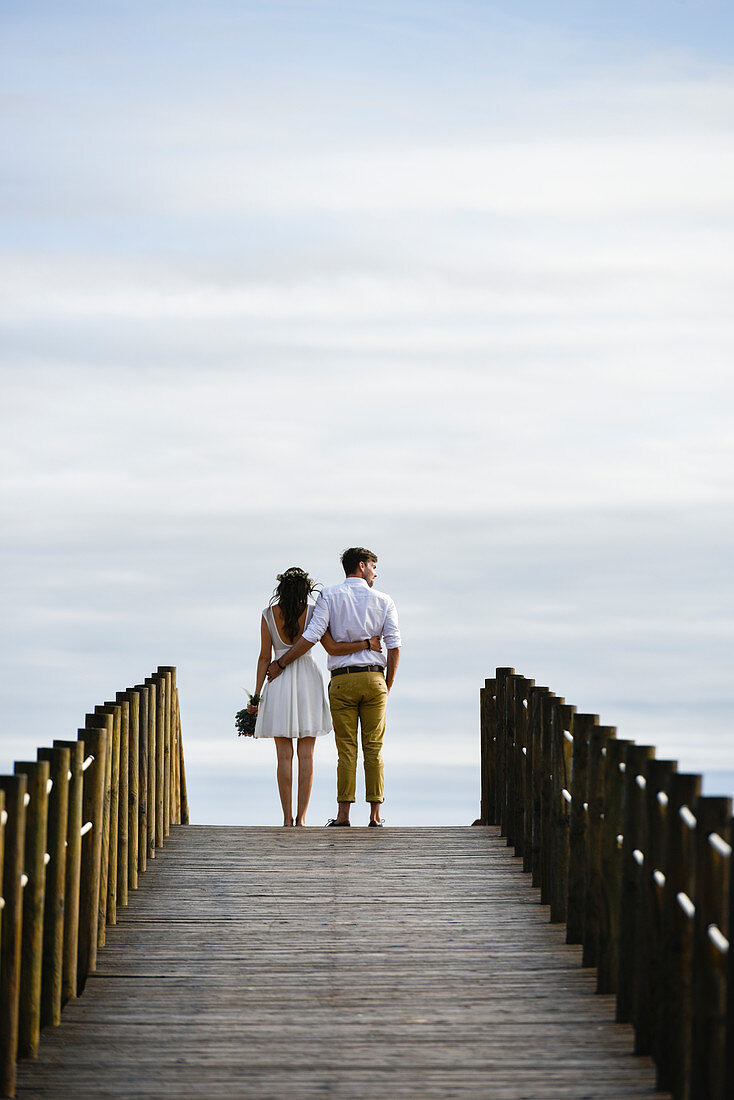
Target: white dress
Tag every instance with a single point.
(294, 704)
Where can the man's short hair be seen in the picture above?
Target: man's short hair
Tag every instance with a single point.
(353, 556)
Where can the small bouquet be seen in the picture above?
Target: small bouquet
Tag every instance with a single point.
(244, 720)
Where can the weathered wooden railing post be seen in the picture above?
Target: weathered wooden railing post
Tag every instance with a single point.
(97, 745)
(488, 721)
(152, 688)
(533, 781)
(708, 1033)
(73, 868)
(548, 715)
(649, 917)
(600, 738)
(183, 793)
(164, 674)
(521, 688)
(15, 788)
(3, 820)
(175, 798)
(578, 827)
(142, 693)
(134, 790)
(730, 981)
(502, 747)
(59, 760)
(560, 726)
(510, 768)
(117, 881)
(128, 700)
(104, 720)
(29, 1031)
(634, 811)
(159, 683)
(611, 864)
(674, 1021)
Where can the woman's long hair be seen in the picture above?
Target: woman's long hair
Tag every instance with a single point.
(291, 595)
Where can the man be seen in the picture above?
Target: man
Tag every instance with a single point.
(360, 682)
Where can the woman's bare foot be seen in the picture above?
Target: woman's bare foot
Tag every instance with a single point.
(288, 823)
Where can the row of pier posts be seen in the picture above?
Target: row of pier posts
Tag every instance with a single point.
(636, 862)
(77, 827)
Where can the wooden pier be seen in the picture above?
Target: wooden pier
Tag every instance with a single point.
(317, 962)
(574, 943)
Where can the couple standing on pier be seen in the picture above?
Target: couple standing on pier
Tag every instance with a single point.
(351, 620)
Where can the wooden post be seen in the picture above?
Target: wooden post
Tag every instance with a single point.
(708, 1031)
(98, 721)
(97, 743)
(29, 1029)
(488, 750)
(599, 739)
(58, 760)
(165, 671)
(634, 816)
(502, 677)
(142, 693)
(560, 732)
(611, 865)
(520, 694)
(123, 812)
(134, 790)
(129, 700)
(578, 827)
(548, 707)
(152, 687)
(3, 820)
(115, 711)
(730, 984)
(182, 766)
(673, 1043)
(160, 745)
(175, 754)
(649, 917)
(534, 783)
(14, 788)
(73, 867)
(511, 703)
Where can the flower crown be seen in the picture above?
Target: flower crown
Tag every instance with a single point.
(293, 573)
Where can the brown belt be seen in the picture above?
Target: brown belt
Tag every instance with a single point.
(356, 668)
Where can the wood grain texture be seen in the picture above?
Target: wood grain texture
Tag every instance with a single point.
(317, 962)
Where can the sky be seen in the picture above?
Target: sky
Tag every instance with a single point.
(452, 281)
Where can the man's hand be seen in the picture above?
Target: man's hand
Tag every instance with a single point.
(274, 670)
(376, 645)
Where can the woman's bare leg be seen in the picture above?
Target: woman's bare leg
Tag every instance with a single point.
(284, 749)
(305, 776)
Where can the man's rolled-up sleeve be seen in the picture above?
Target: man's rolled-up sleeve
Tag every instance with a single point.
(391, 629)
(319, 624)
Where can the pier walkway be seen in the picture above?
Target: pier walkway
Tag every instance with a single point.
(298, 963)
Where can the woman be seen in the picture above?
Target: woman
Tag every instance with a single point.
(294, 706)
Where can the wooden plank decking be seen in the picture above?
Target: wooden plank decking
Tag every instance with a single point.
(298, 963)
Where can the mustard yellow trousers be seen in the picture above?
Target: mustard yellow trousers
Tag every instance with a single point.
(359, 699)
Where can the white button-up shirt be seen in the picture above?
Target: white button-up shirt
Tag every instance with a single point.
(353, 612)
